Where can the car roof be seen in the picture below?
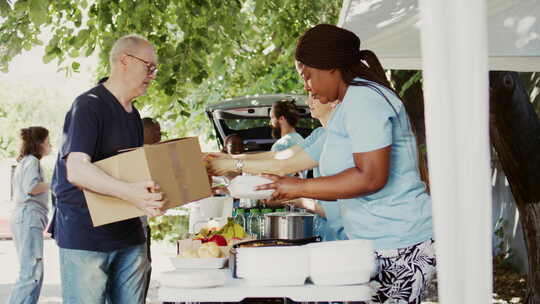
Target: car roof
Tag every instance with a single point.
(265, 100)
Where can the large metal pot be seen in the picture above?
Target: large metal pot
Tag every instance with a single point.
(289, 225)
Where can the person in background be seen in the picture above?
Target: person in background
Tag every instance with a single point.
(152, 135)
(152, 131)
(233, 144)
(106, 263)
(283, 120)
(29, 216)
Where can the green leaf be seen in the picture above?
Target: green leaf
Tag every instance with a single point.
(21, 6)
(38, 11)
(182, 103)
(4, 8)
(75, 66)
(415, 78)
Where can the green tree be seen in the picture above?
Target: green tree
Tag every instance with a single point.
(26, 107)
(209, 50)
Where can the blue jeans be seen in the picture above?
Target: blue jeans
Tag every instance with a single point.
(27, 224)
(104, 277)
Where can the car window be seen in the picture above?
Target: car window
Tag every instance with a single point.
(249, 123)
(246, 123)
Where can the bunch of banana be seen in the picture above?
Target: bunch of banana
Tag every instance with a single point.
(232, 230)
(204, 233)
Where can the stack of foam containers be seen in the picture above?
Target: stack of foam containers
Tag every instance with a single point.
(347, 262)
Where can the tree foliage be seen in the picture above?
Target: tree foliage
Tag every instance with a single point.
(23, 107)
(209, 50)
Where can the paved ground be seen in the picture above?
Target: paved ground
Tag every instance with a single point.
(51, 285)
(51, 293)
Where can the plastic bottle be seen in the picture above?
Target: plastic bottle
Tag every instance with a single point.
(240, 218)
(254, 222)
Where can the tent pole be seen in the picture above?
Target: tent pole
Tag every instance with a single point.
(455, 67)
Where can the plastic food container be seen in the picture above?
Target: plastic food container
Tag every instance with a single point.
(198, 263)
(273, 266)
(341, 262)
(243, 186)
(193, 279)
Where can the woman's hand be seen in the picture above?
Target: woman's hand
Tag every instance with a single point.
(285, 187)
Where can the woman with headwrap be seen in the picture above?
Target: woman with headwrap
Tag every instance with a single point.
(368, 162)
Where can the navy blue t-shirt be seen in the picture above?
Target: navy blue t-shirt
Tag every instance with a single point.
(99, 126)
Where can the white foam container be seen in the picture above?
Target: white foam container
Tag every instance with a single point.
(198, 263)
(243, 186)
(193, 278)
(347, 262)
(273, 266)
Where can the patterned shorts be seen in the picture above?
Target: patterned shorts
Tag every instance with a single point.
(403, 274)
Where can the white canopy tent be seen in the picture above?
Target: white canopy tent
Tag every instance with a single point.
(391, 28)
(461, 40)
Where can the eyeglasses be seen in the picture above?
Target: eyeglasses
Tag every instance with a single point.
(151, 68)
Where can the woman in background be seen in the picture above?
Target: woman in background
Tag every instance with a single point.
(29, 216)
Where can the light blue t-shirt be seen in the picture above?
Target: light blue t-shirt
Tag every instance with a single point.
(287, 141)
(27, 176)
(331, 227)
(398, 215)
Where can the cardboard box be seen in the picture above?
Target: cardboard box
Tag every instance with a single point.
(175, 165)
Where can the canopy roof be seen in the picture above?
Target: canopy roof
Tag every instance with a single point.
(392, 30)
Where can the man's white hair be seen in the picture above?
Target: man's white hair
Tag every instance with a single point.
(126, 45)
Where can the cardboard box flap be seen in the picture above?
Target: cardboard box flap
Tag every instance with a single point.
(193, 169)
(181, 161)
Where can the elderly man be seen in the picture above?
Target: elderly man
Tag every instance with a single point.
(109, 262)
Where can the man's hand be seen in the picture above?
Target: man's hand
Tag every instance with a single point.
(145, 196)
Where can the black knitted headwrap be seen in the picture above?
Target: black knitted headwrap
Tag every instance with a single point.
(327, 47)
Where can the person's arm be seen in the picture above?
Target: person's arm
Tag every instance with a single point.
(82, 173)
(288, 161)
(258, 155)
(311, 205)
(39, 188)
(369, 175)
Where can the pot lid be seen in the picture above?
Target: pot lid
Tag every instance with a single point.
(290, 214)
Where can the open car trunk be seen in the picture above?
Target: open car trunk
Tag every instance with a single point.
(249, 117)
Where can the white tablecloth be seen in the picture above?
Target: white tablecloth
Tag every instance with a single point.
(235, 290)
